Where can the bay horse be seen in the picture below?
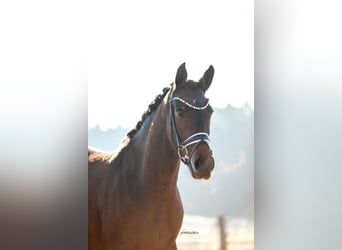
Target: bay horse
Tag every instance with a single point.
(133, 199)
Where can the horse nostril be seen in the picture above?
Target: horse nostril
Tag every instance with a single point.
(198, 162)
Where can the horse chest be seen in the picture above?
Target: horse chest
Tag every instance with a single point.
(153, 226)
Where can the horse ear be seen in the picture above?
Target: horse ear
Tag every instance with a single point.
(182, 75)
(207, 78)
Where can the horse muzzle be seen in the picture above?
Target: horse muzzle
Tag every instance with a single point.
(200, 160)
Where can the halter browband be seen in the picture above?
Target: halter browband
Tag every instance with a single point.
(191, 106)
(182, 148)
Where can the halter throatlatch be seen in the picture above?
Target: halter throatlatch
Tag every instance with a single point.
(182, 148)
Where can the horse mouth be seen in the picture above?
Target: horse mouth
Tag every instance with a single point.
(200, 175)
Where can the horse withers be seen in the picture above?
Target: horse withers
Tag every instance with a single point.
(134, 201)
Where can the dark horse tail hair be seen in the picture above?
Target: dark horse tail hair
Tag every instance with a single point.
(152, 107)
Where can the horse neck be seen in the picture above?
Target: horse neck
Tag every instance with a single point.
(156, 152)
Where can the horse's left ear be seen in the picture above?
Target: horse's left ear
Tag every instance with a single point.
(207, 78)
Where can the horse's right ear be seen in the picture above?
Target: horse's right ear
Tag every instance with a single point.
(182, 75)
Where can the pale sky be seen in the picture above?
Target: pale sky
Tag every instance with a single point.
(135, 48)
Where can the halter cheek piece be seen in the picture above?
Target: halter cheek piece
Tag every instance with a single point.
(182, 148)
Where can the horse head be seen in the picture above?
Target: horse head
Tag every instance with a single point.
(190, 115)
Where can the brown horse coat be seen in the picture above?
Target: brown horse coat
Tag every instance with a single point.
(133, 199)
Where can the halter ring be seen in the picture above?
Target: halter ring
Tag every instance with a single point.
(183, 149)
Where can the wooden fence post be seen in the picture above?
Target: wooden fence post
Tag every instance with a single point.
(222, 227)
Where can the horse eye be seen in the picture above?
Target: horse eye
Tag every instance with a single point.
(180, 111)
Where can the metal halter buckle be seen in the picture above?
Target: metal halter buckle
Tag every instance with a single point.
(183, 149)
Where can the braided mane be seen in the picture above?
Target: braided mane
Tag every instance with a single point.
(152, 107)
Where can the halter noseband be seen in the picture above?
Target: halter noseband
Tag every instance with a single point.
(182, 148)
